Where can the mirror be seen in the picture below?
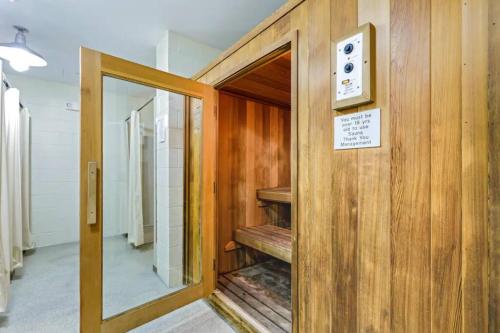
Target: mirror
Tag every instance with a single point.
(151, 218)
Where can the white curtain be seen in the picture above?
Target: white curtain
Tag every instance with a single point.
(135, 216)
(4, 215)
(123, 178)
(11, 195)
(26, 179)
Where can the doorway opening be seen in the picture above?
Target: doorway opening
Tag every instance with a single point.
(254, 187)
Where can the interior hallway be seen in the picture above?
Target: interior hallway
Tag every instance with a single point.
(49, 280)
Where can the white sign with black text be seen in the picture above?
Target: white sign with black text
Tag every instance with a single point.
(357, 130)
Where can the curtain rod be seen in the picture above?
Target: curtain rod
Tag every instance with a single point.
(4, 81)
(142, 107)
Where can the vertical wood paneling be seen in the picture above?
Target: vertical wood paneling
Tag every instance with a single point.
(253, 166)
(382, 236)
(475, 165)
(316, 228)
(284, 149)
(344, 166)
(494, 161)
(446, 159)
(248, 159)
(410, 174)
(374, 185)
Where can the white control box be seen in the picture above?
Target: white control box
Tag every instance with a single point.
(353, 68)
(349, 67)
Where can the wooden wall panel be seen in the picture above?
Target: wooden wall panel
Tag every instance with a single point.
(250, 157)
(410, 174)
(230, 170)
(494, 164)
(374, 185)
(475, 165)
(344, 184)
(394, 238)
(316, 226)
(445, 143)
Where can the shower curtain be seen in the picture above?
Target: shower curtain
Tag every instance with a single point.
(123, 178)
(15, 233)
(25, 122)
(11, 195)
(4, 230)
(135, 216)
(11, 206)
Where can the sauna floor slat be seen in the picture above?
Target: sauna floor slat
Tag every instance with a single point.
(264, 291)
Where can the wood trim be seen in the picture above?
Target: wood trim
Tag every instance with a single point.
(91, 150)
(94, 66)
(130, 71)
(288, 42)
(187, 260)
(294, 168)
(228, 308)
(208, 202)
(152, 310)
(261, 27)
(260, 58)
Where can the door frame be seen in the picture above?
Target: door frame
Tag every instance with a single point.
(288, 42)
(94, 66)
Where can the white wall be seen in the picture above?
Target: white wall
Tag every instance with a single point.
(119, 100)
(56, 154)
(55, 159)
(182, 56)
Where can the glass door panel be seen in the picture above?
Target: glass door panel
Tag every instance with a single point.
(148, 248)
(147, 226)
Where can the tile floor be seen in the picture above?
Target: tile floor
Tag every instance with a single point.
(44, 296)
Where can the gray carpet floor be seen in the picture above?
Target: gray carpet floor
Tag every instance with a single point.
(44, 296)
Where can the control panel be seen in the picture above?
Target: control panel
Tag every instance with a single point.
(353, 68)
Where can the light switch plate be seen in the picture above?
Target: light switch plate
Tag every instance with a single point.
(353, 68)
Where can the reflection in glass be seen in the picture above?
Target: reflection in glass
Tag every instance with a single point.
(150, 243)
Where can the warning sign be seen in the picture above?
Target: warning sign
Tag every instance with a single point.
(357, 130)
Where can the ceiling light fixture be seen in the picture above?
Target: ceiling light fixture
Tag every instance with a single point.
(19, 55)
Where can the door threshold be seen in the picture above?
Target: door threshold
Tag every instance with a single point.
(236, 315)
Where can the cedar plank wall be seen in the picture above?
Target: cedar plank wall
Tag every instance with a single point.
(494, 168)
(252, 154)
(392, 238)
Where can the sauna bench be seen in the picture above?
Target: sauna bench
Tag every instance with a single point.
(269, 239)
(275, 194)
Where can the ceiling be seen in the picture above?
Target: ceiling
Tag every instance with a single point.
(125, 28)
(270, 82)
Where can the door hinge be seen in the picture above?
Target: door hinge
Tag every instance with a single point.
(213, 265)
(215, 188)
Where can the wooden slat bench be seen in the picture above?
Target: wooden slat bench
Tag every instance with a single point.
(269, 239)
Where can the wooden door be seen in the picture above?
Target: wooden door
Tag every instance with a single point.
(100, 185)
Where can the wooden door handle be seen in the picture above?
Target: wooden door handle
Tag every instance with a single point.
(92, 193)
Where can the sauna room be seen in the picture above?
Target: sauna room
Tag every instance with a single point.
(277, 166)
(254, 248)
